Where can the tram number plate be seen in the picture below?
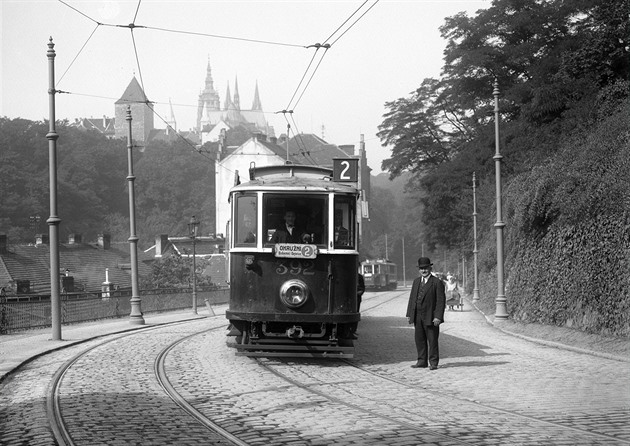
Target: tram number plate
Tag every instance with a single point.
(294, 250)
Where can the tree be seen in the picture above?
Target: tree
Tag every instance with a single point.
(545, 56)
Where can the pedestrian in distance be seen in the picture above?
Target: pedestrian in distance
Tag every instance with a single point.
(360, 290)
(425, 310)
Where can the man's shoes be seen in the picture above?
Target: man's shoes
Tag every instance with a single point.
(419, 365)
(433, 367)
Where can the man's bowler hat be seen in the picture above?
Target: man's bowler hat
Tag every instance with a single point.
(424, 262)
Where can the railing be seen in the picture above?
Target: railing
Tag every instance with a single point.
(33, 311)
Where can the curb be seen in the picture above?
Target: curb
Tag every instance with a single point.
(548, 343)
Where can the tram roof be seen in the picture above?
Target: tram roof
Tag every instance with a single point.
(294, 177)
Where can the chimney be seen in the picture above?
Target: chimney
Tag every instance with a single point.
(348, 148)
(104, 122)
(4, 249)
(160, 245)
(74, 239)
(104, 241)
(41, 239)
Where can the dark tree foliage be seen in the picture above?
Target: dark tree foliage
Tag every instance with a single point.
(558, 65)
(90, 178)
(562, 69)
(173, 182)
(175, 271)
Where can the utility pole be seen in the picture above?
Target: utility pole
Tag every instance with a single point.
(53, 221)
(501, 308)
(475, 250)
(135, 317)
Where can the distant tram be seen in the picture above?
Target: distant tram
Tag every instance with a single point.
(293, 292)
(379, 274)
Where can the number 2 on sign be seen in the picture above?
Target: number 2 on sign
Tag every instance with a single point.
(344, 172)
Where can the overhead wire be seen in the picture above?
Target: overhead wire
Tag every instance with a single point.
(326, 46)
(80, 51)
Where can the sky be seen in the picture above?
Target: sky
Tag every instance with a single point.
(381, 53)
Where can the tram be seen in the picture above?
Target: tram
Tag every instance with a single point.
(293, 294)
(379, 274)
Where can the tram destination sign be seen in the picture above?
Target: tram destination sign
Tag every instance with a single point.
(346, 170)
(295, 251)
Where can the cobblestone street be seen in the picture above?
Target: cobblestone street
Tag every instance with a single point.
(490, 388)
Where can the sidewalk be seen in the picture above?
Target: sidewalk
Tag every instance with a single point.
(19, 348)
(561, 337)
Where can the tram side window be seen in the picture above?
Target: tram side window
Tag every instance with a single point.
(344, 223)
(245, 227)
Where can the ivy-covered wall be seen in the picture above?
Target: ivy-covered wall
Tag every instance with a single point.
(567, 237)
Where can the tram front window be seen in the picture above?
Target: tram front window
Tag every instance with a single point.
(295, 219)
(245, 227)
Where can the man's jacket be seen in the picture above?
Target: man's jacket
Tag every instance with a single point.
(430, 302)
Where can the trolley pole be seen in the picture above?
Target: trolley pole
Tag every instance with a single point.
(501, 308)
(475, 250)
(192, 229)
(135, 317)
(53, 221)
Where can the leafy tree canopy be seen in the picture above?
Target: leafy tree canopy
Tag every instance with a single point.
(559, 66)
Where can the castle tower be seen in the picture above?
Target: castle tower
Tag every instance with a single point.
(141, 113)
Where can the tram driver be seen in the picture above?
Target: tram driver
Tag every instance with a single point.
(289, 232)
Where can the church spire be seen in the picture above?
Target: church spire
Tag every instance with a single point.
(172, 123)
(228, 99)
(237, 98)
(208, 98)
(256, 105)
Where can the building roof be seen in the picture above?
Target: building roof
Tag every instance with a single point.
(307, 148)
(102, 125)
(133, 93)
(86, 262)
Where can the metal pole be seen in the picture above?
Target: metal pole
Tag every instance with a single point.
(192, 229)
(194, 274)
(135, 317)
(403, 253)
(53, 221)
(501, 309)
(475, 251)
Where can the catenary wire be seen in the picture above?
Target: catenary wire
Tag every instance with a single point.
(318, 46)
(346, 21)
(355, 22)
(80, 51)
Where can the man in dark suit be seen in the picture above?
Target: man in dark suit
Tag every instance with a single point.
(426, 311)
(288, 232)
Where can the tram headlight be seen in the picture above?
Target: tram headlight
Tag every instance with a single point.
(293, 293)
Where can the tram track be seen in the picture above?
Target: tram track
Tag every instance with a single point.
(169, 389)
(339, 401)
(456, 399)
(59, 425)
